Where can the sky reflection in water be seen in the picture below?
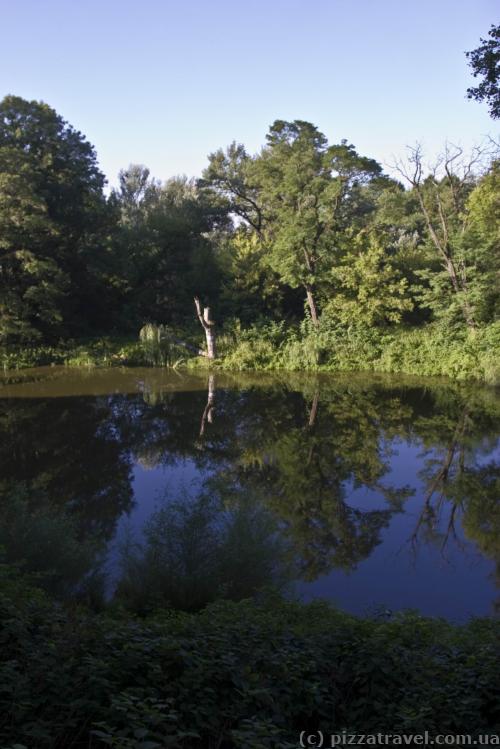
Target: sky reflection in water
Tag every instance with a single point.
(375, 493)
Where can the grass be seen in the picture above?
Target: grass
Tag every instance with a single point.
(427, 351)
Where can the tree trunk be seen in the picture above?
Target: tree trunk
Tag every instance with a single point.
(208, 326)
(188, 346)
(469, 316)
(210, 334)
(312, 304)
(208, 413)
(314, 409)
(312, 418)
(460, 287)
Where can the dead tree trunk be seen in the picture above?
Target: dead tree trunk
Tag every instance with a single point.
(314, 410)
(208, 413)
(208, 326)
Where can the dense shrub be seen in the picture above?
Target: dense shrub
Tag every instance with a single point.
(430, 351)
(433, 350)
(100, 352)
(235, 675)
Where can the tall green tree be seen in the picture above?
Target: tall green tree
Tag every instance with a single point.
(311, 193)
(300, 196)
(164, 245)
(229, 175)
(53, 223)
(32, 284)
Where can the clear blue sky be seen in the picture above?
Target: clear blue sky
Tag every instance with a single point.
(163, 83)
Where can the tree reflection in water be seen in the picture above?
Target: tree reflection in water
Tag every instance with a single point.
(195, 551)
(281, 463)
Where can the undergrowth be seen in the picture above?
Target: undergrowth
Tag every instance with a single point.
(250, 675)
(433, 350)
(430, 351)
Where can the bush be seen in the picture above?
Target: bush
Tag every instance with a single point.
(431, 350)
(425, 351)
(257, 347)
(236, 675)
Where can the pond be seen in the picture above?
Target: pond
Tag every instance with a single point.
(375, 493)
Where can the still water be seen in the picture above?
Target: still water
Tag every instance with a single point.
(375, 493)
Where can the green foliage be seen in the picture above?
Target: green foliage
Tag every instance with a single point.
(229, 177)
(428, 351)
(372, 290)
(156, 345)
(484, 206)
(100, 352)
(104, 352)
(46, 540)
(256, 347)
(297, 199)
(33, 285)
(162, 253)
(485, 63)
(325, 220)
(433, 352)
(383, 270)
(53, 221)
(238, 675)
(482, 244)
(249, 286)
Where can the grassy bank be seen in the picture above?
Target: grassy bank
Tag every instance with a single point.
(246, 675)
(101, 352)
(429, 351)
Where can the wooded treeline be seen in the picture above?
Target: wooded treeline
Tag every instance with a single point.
(303, 228)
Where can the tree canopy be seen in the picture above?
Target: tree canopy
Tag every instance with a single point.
(302, 231)
(52, 222)
(485, 64)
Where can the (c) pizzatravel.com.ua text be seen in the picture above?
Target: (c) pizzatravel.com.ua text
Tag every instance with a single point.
(322, 740)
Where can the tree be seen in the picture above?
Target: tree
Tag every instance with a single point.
(164, 245)
(485, 63)
(482, 244)
(371, 288)
(32, 285)
(229, 176)
(299, 195)
(208, 326)
(137, 192)
(53, 223)
(293, 179)
(250, 288)
(442, 199)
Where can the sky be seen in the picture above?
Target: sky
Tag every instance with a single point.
(164, 83)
